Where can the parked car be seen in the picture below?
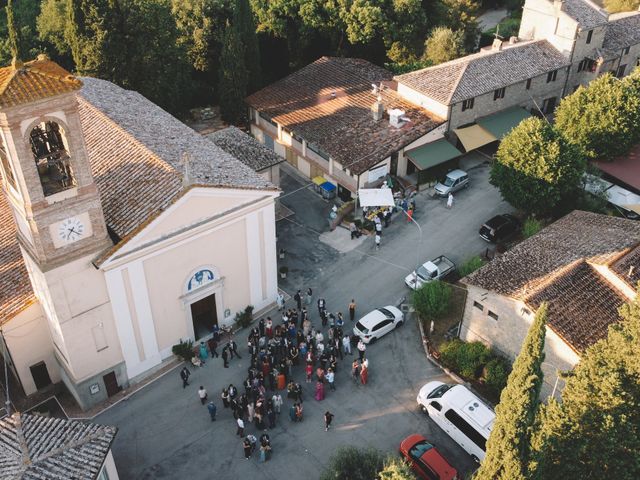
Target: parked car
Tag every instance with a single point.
(453, 181)
(625, 202)
(425, 459)
(500, 228)
(435, 269)
(378, 323)
(460, 413)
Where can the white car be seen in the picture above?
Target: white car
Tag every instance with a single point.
(377, 323)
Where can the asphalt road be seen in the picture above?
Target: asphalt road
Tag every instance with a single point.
(164, 431)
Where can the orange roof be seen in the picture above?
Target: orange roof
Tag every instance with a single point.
(16, 293)
(35, 80)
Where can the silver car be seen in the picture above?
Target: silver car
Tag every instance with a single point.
(454, 181)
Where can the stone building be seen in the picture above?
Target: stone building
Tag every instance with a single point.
(584, 266)
(123, 231)
(319, 117)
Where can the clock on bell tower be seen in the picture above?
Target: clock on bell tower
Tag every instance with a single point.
(45, 168)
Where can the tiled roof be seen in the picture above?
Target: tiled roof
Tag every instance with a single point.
(623, 31)
(245, 148)
(587, 14)
(628, 267)
(581, 305)
(484, 72)
(33, 81)
(579, 235)
(137, 153)
(328, 104)
(556, 266)
(16, 293)
(34, 447)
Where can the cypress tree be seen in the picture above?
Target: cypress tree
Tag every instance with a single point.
(14, 33)
(595, 432)
(508, 447)
(245, 26)
(233, 77)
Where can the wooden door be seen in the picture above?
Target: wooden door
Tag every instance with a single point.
(111, 383)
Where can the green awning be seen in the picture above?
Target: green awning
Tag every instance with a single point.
(501, 123)
(432, 154)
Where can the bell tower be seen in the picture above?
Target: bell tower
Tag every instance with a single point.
(45, 168)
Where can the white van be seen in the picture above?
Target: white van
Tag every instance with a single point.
(461, 414)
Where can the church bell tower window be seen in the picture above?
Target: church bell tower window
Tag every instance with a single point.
(51, 154)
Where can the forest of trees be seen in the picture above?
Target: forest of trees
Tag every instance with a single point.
(181, 53)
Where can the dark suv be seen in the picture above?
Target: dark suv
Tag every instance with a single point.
(500, 228)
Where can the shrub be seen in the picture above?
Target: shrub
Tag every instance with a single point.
(467, 359)
(244, 318)
(353, 463)
(396, 468)
(470, 266)
(496, 372)
(183, 350)
(531, 227)
(432, 299)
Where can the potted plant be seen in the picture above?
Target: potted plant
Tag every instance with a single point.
(283, 272)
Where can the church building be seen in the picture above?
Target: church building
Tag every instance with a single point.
(122, 232)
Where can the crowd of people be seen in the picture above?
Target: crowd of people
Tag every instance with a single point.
(277, 349)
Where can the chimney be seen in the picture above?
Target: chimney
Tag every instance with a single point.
(631, 269)
(513, 40)
(377, 109)
(395, 117)
(557, 6)
(497, 44)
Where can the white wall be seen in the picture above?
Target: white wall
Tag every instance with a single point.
(437, 108)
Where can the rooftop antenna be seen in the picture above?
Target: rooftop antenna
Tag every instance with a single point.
(497, 34)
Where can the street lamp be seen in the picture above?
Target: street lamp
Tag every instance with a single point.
(415, 272)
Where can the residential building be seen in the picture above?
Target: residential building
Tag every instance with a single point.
(584, 266)
(36, 447)
(318, 118)
(123, 232)
(341, 119)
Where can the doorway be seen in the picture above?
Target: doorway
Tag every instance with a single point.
(40, 375)
(111, 383)
(204, 316)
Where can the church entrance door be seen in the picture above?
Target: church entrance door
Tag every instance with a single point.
(204, 316)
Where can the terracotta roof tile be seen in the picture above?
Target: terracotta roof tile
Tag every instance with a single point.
(484, 72)
(16, 292)
(34, 447)
(579, 235)
(581, 305)
(328, 104)
(33, 81)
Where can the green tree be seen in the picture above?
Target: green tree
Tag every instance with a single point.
(602, 118)
(594, 432)
(536, 169)
(233, 77)
(96, 35)
(245, 27)
(23, 34)
(508, 448)
(51, 24)
(443, 45)
(460, 15)
(157, 65)
(432, 299)
(396, 468)
(614, 6)
(353, 463)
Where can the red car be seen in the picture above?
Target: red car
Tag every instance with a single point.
(425, 459)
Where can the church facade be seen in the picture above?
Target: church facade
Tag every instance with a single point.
(123, 232)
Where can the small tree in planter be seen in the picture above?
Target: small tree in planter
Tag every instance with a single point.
(244, 318)
(283, 272)
(183, 350)
(432, 299)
